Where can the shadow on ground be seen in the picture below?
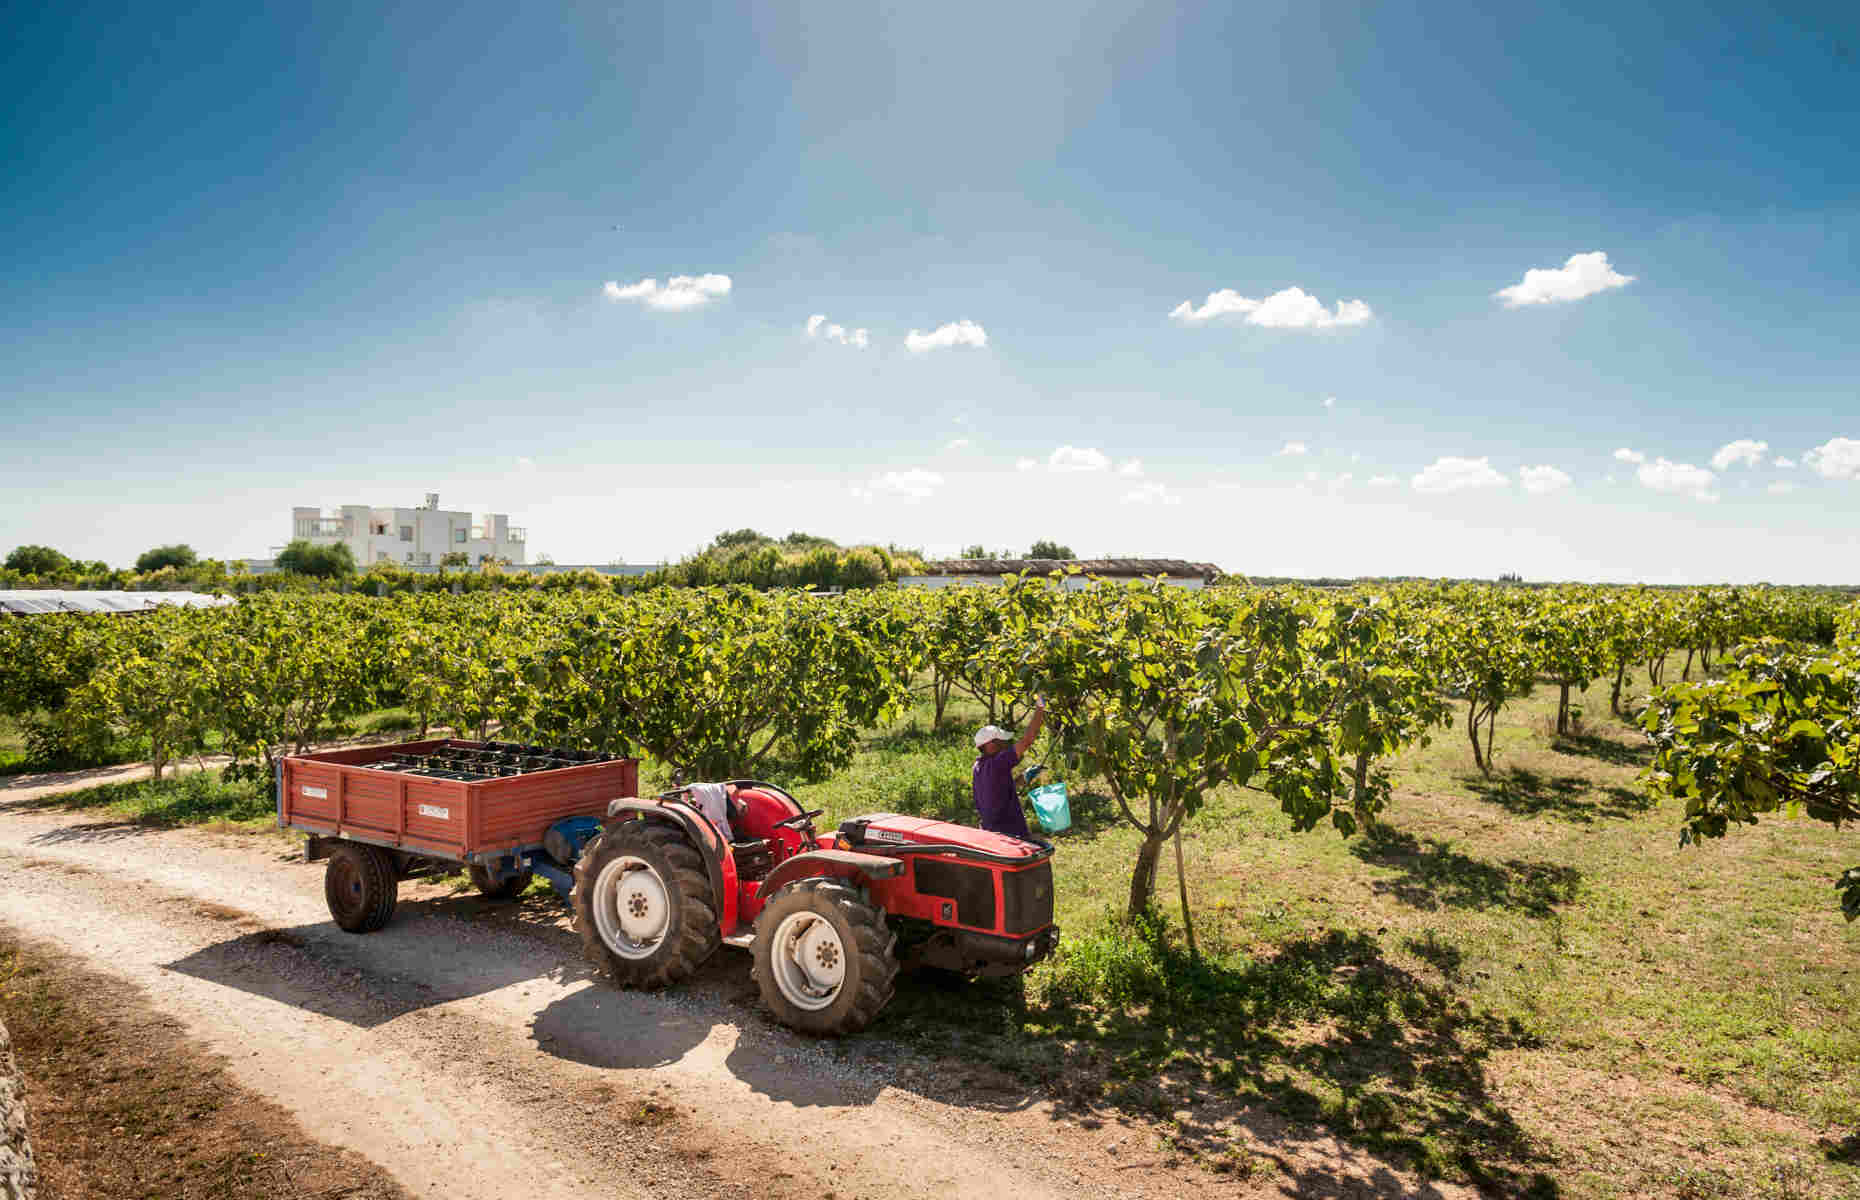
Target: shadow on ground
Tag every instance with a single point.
(1605, 749)
(1433, 875)
(1572, 797)
(1324, 1034)
(417, 962)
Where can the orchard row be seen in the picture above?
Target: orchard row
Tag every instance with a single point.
(1162, 694)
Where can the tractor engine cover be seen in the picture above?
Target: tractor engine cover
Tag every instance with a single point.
(880, 829)
(962, 877)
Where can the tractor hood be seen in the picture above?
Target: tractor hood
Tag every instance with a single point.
(876, 831)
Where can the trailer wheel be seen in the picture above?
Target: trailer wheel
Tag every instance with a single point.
(509, 887)
(643, 904)
(826, 962)
(361, 886)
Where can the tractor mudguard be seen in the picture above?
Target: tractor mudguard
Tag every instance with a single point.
(840, 863)
(717, 861)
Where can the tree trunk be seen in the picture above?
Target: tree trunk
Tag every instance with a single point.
(1143, 879)
(1687, 673)
(1181, 883)
(1491, 728)
(1472, 733)
(1562, 711)
(939, 696)
(1614, 697)
(1359, 800)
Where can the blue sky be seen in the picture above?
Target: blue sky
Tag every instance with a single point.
(256, 256)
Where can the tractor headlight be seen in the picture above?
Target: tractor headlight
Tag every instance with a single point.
(1030, 949)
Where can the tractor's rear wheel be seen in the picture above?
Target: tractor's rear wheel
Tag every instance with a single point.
(506, 887)
(361, 886)
(643, 904)
(826, 962)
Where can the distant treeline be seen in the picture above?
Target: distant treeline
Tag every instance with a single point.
(800, 560)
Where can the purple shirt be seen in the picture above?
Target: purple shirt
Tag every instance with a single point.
(995, 798)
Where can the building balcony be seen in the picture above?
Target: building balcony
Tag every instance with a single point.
(323, 527)
(487, 533)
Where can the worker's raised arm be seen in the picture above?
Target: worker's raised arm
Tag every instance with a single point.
(1033, 728)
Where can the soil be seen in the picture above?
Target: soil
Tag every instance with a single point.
(470, 1046)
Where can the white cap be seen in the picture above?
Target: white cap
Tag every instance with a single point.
(991, 733)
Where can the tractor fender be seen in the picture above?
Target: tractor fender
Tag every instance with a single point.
(717, 860)
(844, 864)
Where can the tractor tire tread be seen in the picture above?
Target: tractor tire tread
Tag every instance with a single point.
(878, 963)
(697, 936)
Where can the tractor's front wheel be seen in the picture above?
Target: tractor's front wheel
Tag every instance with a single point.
(643, 904)
(826, 962)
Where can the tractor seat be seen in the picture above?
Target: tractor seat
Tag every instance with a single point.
(755, 857)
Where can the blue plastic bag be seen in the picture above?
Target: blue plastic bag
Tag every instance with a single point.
(1051, 808)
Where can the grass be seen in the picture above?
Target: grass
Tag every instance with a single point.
(1520, 981)
(193, 798)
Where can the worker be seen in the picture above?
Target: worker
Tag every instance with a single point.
(997, 752)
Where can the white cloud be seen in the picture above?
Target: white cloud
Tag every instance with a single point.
(1075, 458)
(1682, 479)
(914, 484)
(1782, 487)
(678, 293)
(1025, 464)
(956, 333)
(1450, 474)
(1131, 469)
(1343, 479)
(958, 444)
(1330, 402)
(1743, 450)
(1837, 458)
(1630, 456)
(1291, 308)
(1540, 480)
(1785, 463)
(1383, 481)
(1293, 450)
(526, 464)
(1583, 275)
(1151, 493)
(818, 326)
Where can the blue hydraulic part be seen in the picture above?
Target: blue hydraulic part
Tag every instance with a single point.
(562, 845)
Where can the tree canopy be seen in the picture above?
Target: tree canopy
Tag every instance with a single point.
(178, 555)
(323, 562)
(37, 560)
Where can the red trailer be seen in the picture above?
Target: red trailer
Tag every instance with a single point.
(381, 814)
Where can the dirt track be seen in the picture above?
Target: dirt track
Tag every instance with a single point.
(469, 1042)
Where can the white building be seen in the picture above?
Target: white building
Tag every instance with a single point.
(419, 537)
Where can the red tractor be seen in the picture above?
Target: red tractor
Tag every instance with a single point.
(830, 917)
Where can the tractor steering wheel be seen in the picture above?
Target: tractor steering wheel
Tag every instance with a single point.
(799, 819)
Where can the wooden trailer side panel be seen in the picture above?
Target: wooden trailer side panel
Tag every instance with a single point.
(436, 813)
(517, 812)
(370, 802)
(312, 792)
